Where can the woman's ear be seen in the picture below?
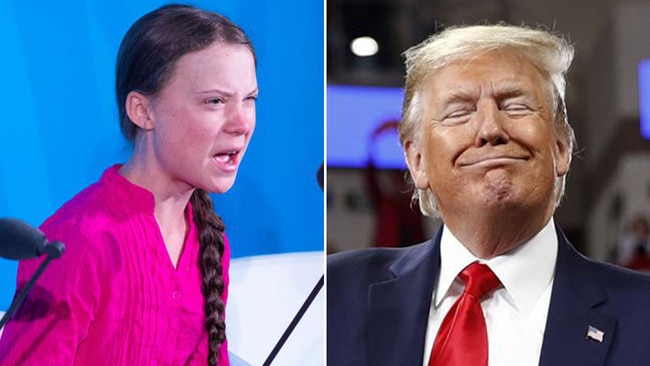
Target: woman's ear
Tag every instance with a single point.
(137, 108)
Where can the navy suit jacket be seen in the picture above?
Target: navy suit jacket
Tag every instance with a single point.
(378, 305)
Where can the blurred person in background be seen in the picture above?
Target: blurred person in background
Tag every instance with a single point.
(634, 248)
(397, 222)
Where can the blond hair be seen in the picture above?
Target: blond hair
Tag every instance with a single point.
(550, 54)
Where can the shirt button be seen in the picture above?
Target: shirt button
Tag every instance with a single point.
(176, 295)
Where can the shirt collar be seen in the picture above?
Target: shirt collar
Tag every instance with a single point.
(524, 272)
(138, 198)
(122, 189)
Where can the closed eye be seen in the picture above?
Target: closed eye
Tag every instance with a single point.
(457, 114)
(516, 109)
(457, 117)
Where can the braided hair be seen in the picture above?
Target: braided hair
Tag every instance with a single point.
(211, 241)
(146, 61)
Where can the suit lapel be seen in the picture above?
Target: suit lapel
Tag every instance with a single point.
(398, 308)
(575, 300)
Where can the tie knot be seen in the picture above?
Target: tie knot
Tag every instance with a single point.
(479, 280)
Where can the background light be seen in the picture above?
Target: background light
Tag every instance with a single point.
(364, 46)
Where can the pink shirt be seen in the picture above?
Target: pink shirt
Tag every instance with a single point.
(114, 297)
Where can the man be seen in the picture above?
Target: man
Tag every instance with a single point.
(488, 146)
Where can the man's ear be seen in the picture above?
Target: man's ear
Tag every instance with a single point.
(563, 158)
(416, 164)
(137, 108)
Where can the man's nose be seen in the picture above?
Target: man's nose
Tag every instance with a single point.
(491, 125)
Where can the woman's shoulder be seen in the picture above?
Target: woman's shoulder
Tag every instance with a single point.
(92, 215)
(85, 210)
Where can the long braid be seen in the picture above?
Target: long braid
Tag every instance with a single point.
(211, 241)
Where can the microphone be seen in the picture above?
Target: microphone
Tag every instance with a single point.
(19, 240)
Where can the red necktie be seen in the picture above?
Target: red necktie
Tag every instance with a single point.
(462, 338)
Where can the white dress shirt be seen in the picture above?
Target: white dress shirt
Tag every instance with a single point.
(515, 314)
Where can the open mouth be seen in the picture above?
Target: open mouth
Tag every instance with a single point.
(227, 158)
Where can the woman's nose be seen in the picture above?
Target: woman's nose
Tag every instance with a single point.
(239, 120)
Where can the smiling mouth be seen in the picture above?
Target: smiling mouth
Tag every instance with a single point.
(493, 161)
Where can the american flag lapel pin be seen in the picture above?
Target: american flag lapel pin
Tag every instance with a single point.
(595, 334)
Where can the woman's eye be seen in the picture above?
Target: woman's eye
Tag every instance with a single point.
(214, 101)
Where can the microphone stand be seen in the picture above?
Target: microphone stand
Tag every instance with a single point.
(295, 321)
(54, 250)
(319, 285)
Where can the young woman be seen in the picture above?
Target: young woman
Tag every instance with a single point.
(144, 280)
